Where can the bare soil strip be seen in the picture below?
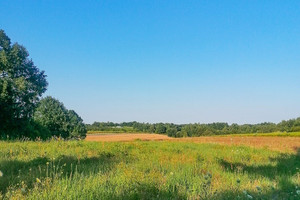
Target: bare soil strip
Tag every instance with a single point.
(275, 143)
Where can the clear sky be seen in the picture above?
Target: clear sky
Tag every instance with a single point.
(165, 61)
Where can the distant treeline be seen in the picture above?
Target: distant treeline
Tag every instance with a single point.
(190, 130)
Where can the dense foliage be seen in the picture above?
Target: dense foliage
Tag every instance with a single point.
(21, 87)
(190, 130)
(53, 115)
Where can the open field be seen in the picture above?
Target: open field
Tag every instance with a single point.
(126, 137)
(274, 143)
(277, 134)
(271, 142)
(145, 170)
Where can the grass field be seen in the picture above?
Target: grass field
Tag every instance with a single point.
(146, 170)
(280, 134)
(273, 142)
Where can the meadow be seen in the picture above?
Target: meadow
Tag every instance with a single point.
(146, 170)
(282, 144)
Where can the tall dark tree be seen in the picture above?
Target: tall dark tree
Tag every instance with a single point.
(21, 85)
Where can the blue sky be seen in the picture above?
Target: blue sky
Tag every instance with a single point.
(165, 61)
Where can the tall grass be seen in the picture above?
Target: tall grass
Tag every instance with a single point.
(145, 170)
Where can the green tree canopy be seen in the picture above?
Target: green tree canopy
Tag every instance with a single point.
(76, 126)
(53, 115)
(21, 86)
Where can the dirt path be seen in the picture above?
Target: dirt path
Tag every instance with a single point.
(274, 143)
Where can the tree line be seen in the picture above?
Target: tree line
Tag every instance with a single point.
(197, 129)
(22, 111)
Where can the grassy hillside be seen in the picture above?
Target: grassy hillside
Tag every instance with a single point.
(145, 170)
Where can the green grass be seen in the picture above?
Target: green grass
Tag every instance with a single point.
(145, 170)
